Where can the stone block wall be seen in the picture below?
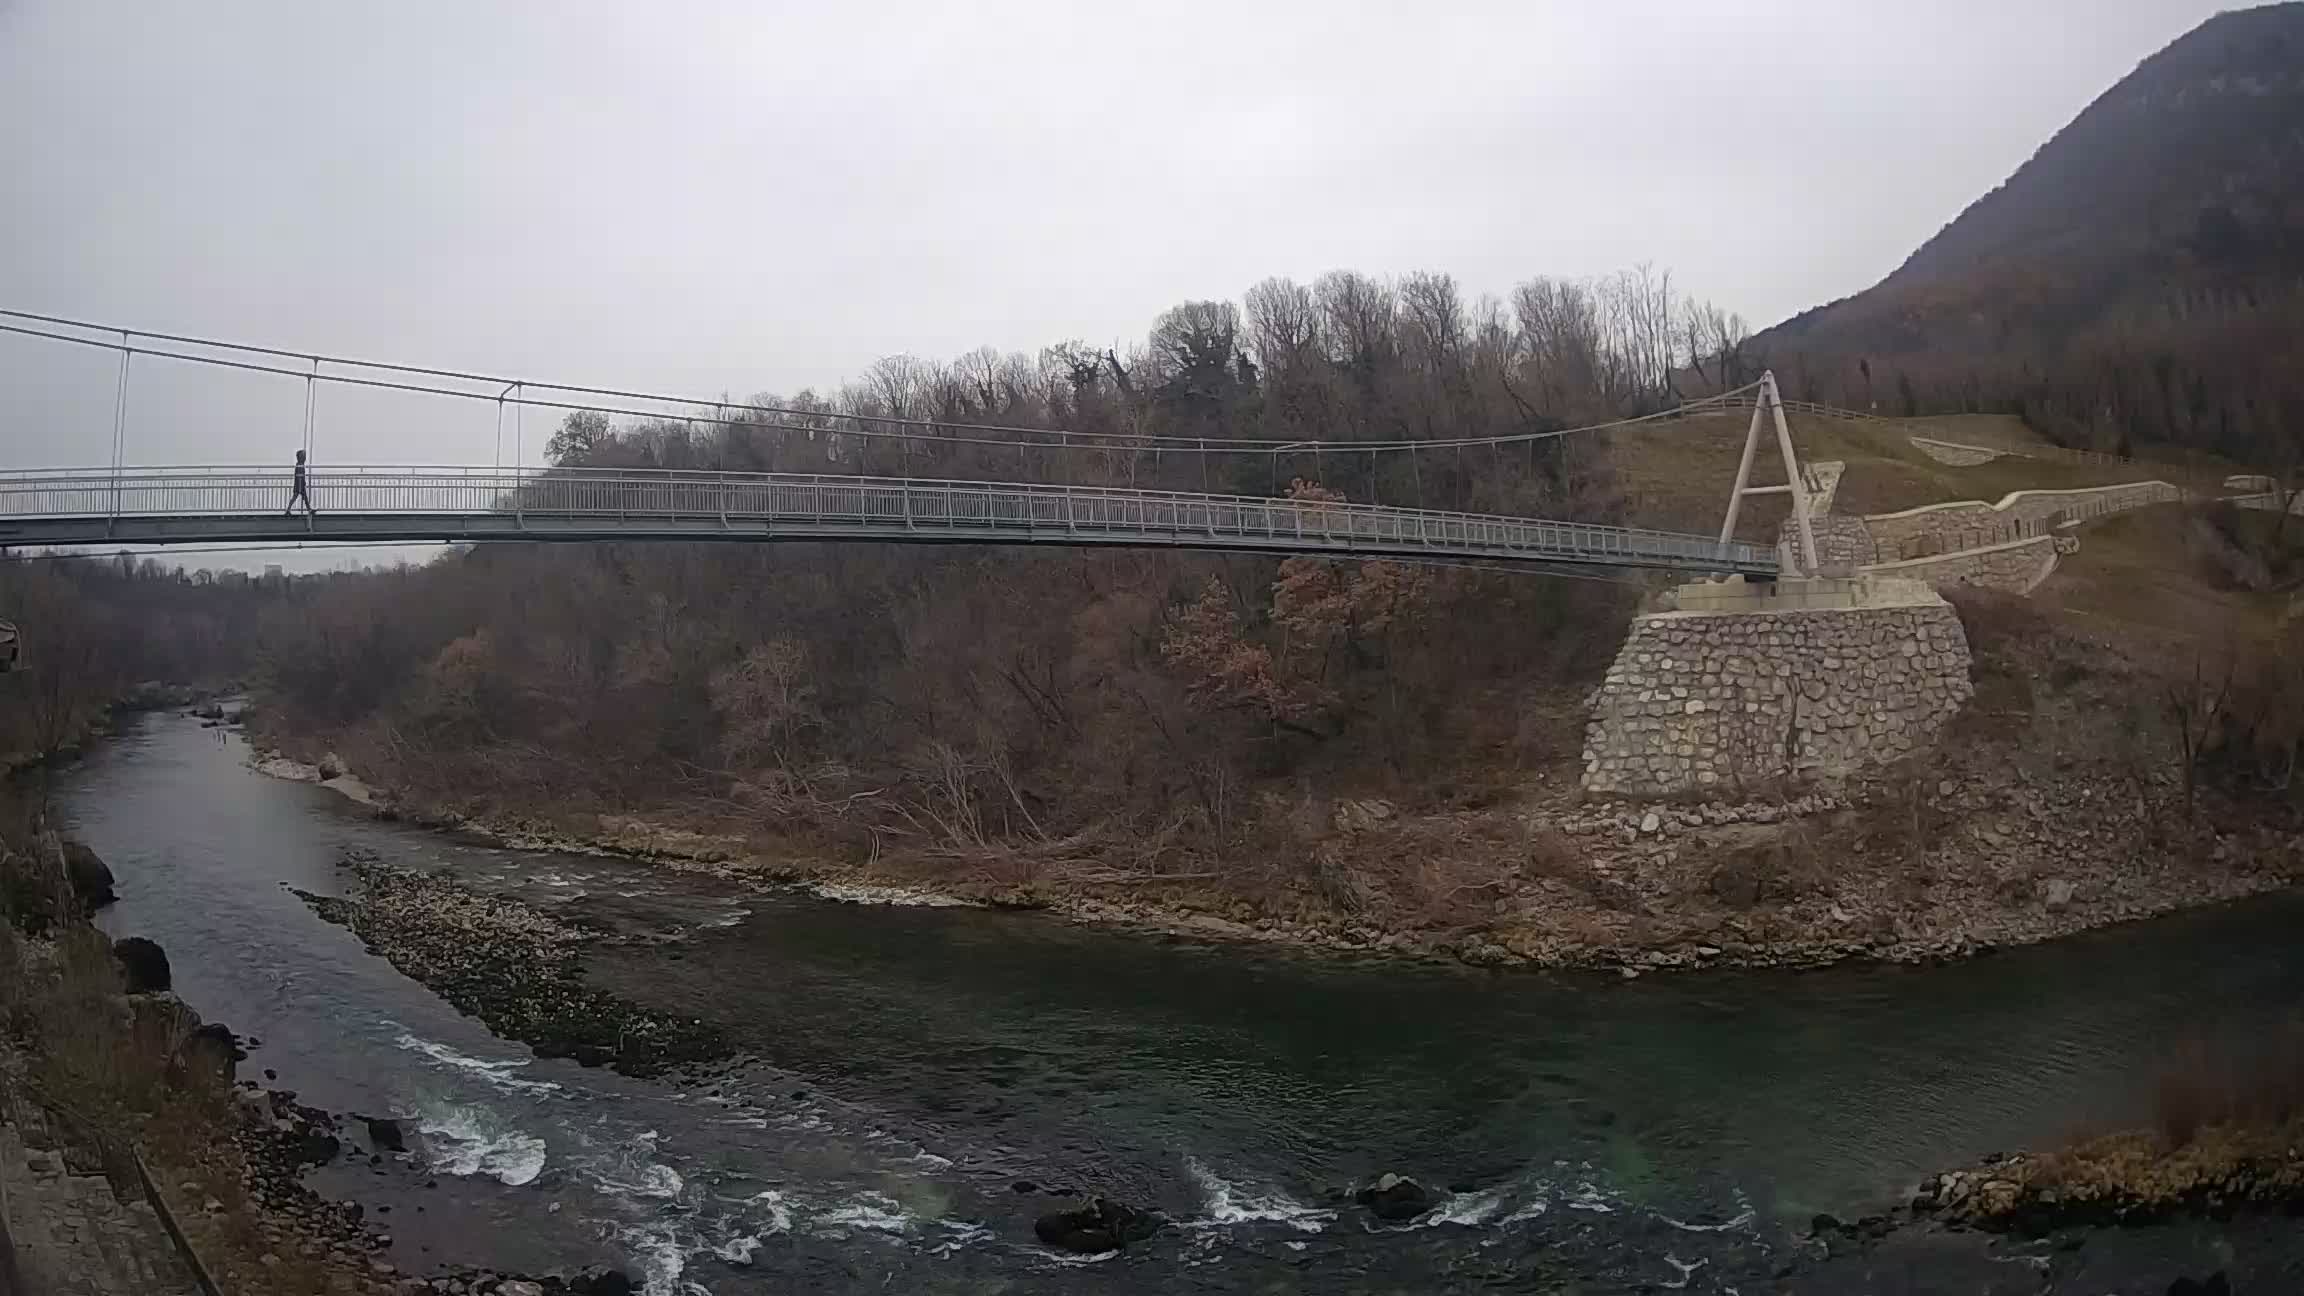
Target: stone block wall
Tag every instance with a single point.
(2016, 567)
(1841, 540)
(2042, 506)
(1894, 533)
(1704, 702)
(1972, 522)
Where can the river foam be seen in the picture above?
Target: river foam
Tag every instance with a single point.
(496, 1073)
(462, 1140)
(871, 1211)
(906, 897)
(1230, 1203)
(632, 1172)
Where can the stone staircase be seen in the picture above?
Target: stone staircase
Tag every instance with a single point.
(73, 1236)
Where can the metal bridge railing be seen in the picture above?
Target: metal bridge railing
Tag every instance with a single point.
(625, 499)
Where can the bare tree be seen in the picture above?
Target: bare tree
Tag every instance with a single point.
(2195, 706)
(1561, 338)
(1283, 325)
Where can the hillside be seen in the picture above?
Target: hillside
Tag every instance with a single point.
(2138, 282)
(1677, 474)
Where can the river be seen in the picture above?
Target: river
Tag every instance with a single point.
(911, 1066)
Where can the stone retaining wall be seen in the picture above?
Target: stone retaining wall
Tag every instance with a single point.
(1956, 455)
(1710, 701)
(1959, 525)
(2016, 567)
(1841, 540)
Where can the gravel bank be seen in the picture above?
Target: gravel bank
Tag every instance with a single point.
(511, 967)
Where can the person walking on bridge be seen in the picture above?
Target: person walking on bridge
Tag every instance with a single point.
(301, 491)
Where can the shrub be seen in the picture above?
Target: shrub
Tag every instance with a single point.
(2260, 1084)
(1999, 626)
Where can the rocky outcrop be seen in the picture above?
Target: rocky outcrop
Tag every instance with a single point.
(143, 965)
(90, 879)
(209, 1055)
(1100, 1226)
(1395, 1199)
(601, 1281)
(385, 1134)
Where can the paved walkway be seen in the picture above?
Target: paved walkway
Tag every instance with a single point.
(72, 1235)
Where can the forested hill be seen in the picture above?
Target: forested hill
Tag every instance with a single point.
(2140, 280)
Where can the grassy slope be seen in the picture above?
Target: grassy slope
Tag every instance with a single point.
(1676, 475)
(2146, 580)
(2142, 580)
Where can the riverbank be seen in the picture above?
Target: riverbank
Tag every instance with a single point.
(2152, 1230)
(140, 1160)
(2132, 1177)
(69, 732)
(1909, 866)
(2120, 1213)
(2049, 806)
(128, 1083)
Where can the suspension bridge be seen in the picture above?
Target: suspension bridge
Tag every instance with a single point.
(123, 504)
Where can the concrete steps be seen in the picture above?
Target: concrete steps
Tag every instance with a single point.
(73, 1235)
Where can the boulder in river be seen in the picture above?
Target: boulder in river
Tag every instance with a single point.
(310, 1145)
(90, 879)
(385, 1135)
(1100, 1226)
(1395, 1198)
(599, 1280)
(211, 1050)
(143, 965)
(2215, 1284)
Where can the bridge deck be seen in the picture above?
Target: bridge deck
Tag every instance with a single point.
(184, 505)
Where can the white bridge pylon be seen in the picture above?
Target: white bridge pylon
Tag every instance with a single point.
(1770, 404)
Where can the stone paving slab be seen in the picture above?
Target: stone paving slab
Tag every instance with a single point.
(73, 1235)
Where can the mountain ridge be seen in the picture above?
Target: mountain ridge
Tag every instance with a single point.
(2138, 279)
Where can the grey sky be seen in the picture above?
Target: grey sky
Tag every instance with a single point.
(744, 196)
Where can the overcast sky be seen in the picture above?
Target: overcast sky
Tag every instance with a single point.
(743, 196)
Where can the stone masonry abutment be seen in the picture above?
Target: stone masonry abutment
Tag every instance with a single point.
(1748, 685)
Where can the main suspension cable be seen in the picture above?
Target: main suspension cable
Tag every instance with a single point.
(814, 420)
